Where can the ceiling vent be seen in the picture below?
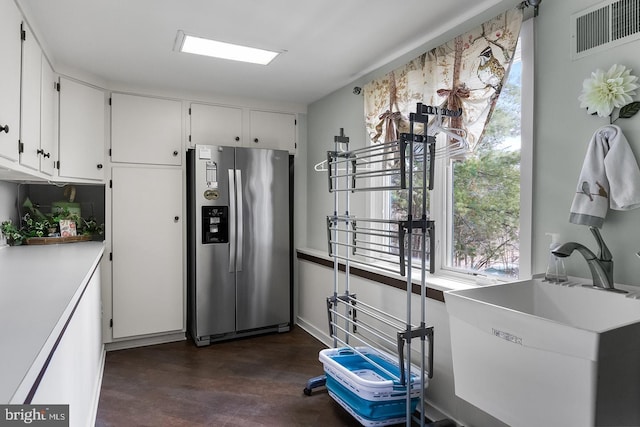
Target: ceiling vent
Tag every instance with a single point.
(608, 24)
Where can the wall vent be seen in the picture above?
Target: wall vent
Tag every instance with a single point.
(604, 26)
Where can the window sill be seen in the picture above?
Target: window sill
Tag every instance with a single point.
(436, 285)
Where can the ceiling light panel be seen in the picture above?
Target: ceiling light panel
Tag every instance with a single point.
(217, 49)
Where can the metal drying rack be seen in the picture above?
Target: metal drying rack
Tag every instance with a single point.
(383, 244)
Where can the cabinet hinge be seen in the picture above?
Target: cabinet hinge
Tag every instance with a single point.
(20, 147)
(189, 110)
(295, 145)
(57, 164)
(57, 86)
(189, 138)
(111, 323)
(110, 183)
(23, 33)
(295, 122)
(109, 152)
(110, 256)
(109, 101)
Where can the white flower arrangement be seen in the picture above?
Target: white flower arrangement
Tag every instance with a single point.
(606, 91)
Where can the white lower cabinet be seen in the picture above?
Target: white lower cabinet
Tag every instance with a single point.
(147, 245)
(74, 372)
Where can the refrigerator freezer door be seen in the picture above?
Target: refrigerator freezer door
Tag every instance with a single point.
(214, 293)
(262, 280)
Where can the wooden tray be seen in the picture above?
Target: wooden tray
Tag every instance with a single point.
(56, 240)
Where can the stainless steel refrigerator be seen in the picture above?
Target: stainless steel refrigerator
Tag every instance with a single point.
(238, 252)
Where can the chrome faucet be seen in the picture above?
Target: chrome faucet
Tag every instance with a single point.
(601, 266)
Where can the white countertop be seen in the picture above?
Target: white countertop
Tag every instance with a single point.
(39, 285)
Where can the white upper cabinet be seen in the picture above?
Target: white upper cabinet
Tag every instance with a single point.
(48, 120)
(10, 47)
(30, 150)
(82, 131)
(234, 126)
(146, 130)
(38, 142)
(272, 130)
(215, 125)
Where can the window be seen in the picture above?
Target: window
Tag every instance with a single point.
(481, 202)
(483, 192)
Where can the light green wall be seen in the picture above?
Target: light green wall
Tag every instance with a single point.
(562, 131)
(341, 109)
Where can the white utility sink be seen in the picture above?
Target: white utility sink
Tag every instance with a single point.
(534, 353)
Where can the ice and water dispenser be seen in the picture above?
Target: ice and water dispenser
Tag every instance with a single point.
(215, 224)
(215, 219)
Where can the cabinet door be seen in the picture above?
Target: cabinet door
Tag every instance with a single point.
(74, 372)
(48, 122)
(146, 130)
(10, 46)
(273, 130)
(82, 127)
(30, 101)
(215, 125)
(147, 240)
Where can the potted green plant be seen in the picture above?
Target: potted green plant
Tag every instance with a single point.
(36, 227)
(36, 224)
(12, 233)
(54, 220)
(90, 227)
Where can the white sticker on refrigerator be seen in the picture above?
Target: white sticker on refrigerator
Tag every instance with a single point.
(204, 154)
(212, 174)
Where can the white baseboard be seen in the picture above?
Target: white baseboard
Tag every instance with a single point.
(93, 413)
(142, 342)
(321, 336)
(435, 414)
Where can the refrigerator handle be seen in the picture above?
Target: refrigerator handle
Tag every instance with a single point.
(232, 222)
(240, 222)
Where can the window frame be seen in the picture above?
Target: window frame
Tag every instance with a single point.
(441, 200)
(444, 167)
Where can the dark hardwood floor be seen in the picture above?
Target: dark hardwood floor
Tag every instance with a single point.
(256, 381)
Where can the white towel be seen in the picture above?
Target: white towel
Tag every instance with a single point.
(610, 178)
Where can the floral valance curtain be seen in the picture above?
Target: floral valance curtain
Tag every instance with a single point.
(466, 72)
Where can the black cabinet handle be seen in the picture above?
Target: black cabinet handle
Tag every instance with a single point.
(255, 140)
(4, 128)
(99, 165)
(175, 153)
(41, 152)
(176, 218)
(237, 138)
